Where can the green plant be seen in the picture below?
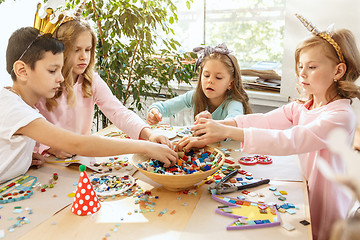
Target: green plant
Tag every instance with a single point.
(132, 58)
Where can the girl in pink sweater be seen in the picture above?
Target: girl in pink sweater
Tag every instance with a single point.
(326, 72)
(72, 107)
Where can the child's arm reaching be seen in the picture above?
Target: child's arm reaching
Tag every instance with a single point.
(44, 132)
(148, 134)
(59, 153)
(211, 131)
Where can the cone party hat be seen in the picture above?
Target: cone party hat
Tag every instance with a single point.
(85, 200)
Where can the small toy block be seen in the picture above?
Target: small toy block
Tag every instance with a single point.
(263, 211)
(227, 210)
(291, 205)
(229, 161)
(239, 179)
(304, 222)
(233, 180)
(249, 177)
(288, 227)
(258, 222)
(243, 172)
(240, 197)
(281, 210)
(261, 200)
(283, 192)
(245, 192)
(277, 193)
(252, 194)
(285, 206)
(251, 222)
(239, 202)
(281, 198)
(266, 221)
(291, 211)
(261, 206)
(272, 188)
(226, 199)
(217, 177)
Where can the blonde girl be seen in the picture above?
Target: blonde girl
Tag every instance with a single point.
(327, 72)
(72, 107)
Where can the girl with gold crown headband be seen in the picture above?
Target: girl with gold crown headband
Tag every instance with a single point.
(303, 127)
(72, 107)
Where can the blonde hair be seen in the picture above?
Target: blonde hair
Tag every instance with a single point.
(345, 87)
(237, 91)
(67, 34)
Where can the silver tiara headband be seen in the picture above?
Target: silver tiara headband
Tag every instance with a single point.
(207, 50)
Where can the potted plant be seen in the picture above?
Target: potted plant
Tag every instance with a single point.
(131, 56)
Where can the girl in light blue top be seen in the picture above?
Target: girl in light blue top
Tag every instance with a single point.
(219, 89)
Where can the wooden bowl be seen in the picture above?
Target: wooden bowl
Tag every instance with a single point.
(179, 182)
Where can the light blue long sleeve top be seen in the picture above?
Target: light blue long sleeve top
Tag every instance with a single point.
(228, 109)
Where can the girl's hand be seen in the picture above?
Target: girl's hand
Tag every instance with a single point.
(154, 116)
(204, 114)
(186, 143)
(157, 138)
(59, 153)
(37, 160)
(210, 131)
(162, 153)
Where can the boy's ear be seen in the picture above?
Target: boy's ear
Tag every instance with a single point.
(20, 70)
(340, 71)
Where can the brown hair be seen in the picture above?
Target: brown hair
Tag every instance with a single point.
(26, 44)
(67, 33)
(237, 91)
(345, 87)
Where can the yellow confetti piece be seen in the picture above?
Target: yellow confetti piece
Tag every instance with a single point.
(71, 194)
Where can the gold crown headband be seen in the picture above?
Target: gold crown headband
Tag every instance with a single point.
(52, 21)
(326, 36)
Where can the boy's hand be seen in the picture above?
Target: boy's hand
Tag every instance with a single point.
(162, 153)
(204, 114)
(186, 143)
(157, 138)
(154, 116)
(37, 160)
(59, 153)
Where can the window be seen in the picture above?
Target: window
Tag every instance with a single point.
(253, 29)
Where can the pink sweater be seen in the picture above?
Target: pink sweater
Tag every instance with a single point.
(293, 129)
(79, 119)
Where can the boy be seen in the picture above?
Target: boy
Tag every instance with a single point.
(34, 62)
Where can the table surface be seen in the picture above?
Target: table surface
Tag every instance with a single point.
(189, 216)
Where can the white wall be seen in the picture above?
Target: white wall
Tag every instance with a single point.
(13, 15)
